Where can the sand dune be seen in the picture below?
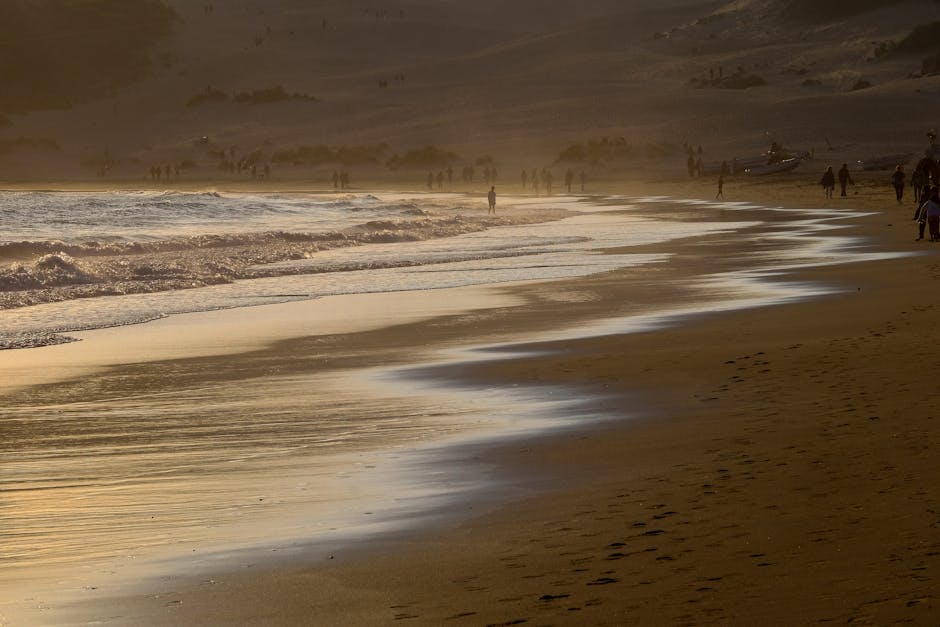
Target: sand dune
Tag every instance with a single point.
(518, 82)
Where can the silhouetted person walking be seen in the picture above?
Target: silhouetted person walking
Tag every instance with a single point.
(828, 182)
(898, 180)
(933, 214)
(845, 178)
(491, 197)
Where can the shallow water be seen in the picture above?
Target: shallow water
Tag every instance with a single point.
(103, 476)
(83, 261)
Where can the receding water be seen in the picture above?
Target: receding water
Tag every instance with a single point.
(104, 474)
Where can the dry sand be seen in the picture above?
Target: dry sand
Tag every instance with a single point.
(773, 465)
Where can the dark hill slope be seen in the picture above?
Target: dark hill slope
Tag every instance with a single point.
(53, 54)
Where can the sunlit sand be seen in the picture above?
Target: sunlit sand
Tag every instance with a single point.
(653, 405)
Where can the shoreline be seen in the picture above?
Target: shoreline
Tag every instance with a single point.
(554, 366)
(736, 508)
(217, 333)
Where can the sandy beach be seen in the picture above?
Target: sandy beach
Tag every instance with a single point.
(740, 433)
(768, 464)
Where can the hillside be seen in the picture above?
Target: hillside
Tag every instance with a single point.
(53, 55)
(519, 83)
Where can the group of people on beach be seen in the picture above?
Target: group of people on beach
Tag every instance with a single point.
(340, 179)
(469, 173)
(544, 179)
(828, 180)
(925, 181)
(156, 172)
(927, 213)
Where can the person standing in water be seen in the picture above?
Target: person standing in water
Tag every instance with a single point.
(491, 197)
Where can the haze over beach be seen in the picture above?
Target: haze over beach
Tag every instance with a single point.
(519, 82)
(266, 357)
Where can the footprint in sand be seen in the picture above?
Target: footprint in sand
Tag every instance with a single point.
(603, 581)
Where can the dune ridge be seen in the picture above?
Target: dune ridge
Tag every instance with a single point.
(515, 82)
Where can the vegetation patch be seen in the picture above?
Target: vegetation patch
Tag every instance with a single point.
(924, 38)
(255, 97)
(739, 80)
(211, 94)
(597, 151)
(28, 143)
(427, 157)
(612, 149)
(321, 154)
(269, 95)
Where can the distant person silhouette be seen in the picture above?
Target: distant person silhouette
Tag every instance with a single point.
(917, 183)
(920, 214)
(491, 197)
(721, 187)
(933, 214)
(845, 178)
(898, 180)
(828, 181)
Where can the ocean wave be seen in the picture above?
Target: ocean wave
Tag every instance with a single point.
(93, 260)
(12, 251)
(33, 340)
(54, 271)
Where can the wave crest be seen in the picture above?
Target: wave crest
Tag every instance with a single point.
(54, 271)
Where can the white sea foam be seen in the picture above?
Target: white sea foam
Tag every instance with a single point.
(74, 261)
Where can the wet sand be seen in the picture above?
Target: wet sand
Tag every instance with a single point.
(219, 333)
(774, 464)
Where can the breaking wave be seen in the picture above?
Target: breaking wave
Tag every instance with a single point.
(66, 247)
(60, 271)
